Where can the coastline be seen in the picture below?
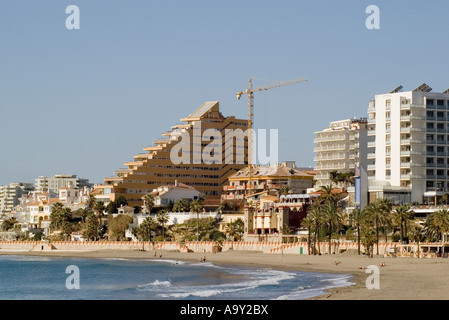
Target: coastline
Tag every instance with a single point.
(400, 279)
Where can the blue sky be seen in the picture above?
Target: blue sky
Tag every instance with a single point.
(85, 101)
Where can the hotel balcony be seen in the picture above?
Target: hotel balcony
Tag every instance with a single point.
(371, 167)
(330, 148)
(371, 133)
(371, 144)
(412, 106)
(371, 155)
(331, 138)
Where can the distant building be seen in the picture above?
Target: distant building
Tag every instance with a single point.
(60, 181)
(269, 179)
(273, 216)
(10, 195)
(103, 193)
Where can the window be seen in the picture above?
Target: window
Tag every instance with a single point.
(429, 160)
(440, 160)
(430, 149)
(440, 102)
(440, 114)
(429, 172)
(430, 102)
(430, 125)
(387, 103)
(430, 114)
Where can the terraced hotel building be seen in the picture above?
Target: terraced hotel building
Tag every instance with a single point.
(155, 167)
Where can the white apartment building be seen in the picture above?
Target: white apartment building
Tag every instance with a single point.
(60, 181)
(10, 195)
(410, 154)
(341, 147)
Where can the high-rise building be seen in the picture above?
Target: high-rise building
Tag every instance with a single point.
(185, 155)
(410, 155)
(59, 181)
(341, 147)
(10, 195)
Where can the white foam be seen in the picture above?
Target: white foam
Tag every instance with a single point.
(267, 278)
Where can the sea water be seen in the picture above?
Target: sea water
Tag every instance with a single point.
(44, 278)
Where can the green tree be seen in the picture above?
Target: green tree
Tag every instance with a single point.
(145, 229)
(196, 206)
(99, 209)
(332, 219)
(315, 218)
(181, 205)
(358, 218)
(9, 224)
(162, 218)
(235, 228)
(118, 225)
(379, 210)
(92, 226)
(402, 215)
(148, 203)
(417, 234)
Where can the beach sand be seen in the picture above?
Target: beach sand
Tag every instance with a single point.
(400, 279)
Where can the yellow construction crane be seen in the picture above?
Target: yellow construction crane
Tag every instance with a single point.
(250, 92)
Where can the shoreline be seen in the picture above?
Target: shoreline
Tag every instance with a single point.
(400, 279)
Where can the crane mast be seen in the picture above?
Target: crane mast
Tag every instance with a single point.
(250, 92)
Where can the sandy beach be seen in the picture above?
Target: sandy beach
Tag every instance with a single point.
(400, 279)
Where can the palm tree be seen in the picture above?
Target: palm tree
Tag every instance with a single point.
(181, 205)
(83, 213)
(283, 191)
(148, 203)
(196, 206)
(314, 214)
(146, 228)
(332, 218)
(334, 176)
(91, 201)
(56, 215)
(358, 217)
(437, 224)
(99, 208)
(162, 219)
(402, 215)
(379, 210)
(327, 194)
(308, 223)
(417, 233)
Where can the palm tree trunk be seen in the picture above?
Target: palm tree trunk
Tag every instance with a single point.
(358, 239)
(377, 236)
(308, 240)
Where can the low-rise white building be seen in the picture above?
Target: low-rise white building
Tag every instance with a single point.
(163, 195)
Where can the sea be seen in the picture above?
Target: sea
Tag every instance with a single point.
(54, 278)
